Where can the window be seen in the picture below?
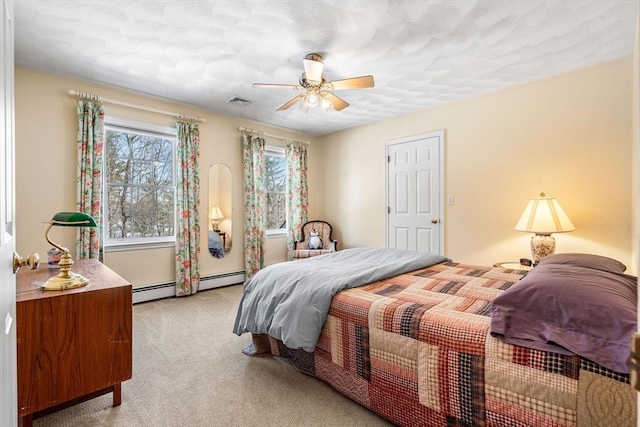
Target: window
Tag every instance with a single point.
(139, 190)
(275, 181)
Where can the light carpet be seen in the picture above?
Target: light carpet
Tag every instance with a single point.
(188, 370)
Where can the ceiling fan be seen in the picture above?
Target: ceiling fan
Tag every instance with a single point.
(317, 89)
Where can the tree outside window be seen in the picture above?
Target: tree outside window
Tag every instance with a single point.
(140, 188)
(275, 180)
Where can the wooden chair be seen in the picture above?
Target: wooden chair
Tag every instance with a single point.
(301, 248)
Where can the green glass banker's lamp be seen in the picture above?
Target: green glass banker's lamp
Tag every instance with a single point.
(65, 279)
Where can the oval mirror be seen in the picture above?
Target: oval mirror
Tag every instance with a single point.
(219, 211)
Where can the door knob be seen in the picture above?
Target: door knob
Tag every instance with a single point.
(32, 261)
(434, 220)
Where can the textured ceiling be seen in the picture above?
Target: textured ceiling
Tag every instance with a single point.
(421, 53)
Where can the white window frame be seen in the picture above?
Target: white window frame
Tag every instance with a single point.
(279, 232)
(117, 245)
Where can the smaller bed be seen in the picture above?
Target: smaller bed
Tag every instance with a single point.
(421, 348)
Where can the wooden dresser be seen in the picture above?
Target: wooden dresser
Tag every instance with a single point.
(73, 345)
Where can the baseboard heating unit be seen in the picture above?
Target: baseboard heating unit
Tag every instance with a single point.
(168, 290)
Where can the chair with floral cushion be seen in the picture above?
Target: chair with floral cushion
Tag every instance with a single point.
(323, 228)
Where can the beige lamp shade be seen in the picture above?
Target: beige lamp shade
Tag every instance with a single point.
(215, 213)
(544, 215)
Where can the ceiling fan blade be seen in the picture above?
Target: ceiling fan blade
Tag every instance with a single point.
(313, 66)
(277, 86)
(291, 102)
(337, 103)
(352, 83)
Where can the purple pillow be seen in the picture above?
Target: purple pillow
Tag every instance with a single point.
(568, 309)
(597, 262)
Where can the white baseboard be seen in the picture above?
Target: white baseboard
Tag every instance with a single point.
(168, 290)
(150, 293)
(219, 280)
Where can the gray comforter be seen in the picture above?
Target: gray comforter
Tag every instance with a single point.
(290, 300)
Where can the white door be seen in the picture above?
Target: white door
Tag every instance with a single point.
(8, 388)
(414, 193)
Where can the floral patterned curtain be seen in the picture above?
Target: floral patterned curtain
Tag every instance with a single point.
(298, 193)
(89, 176)
(187, 209)
(255, 200)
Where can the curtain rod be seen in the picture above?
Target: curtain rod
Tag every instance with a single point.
(241, 129)
(97, 98)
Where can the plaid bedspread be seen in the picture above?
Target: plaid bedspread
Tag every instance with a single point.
(415, 348)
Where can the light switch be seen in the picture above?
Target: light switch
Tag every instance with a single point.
(450, 200)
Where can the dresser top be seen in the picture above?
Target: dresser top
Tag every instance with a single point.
(100, 277)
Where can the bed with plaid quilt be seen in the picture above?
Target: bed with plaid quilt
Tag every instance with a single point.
(416, 349)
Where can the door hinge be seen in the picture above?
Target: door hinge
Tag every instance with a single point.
(388, 209)
(389, 159)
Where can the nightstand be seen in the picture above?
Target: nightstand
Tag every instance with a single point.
(513, 265)
(72, 345)
(223, 235)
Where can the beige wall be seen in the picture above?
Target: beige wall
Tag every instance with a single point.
(46, 168)
(569, 136)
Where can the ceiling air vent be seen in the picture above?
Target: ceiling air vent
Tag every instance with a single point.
(242, 102)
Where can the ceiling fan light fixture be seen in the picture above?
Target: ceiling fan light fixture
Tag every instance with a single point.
(316, 89)
(312, 99)
(313, 66)
(326, 105)
(304, 105)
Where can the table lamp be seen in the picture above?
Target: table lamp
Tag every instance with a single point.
(543, 216)
(215, 214)
(65, 279)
